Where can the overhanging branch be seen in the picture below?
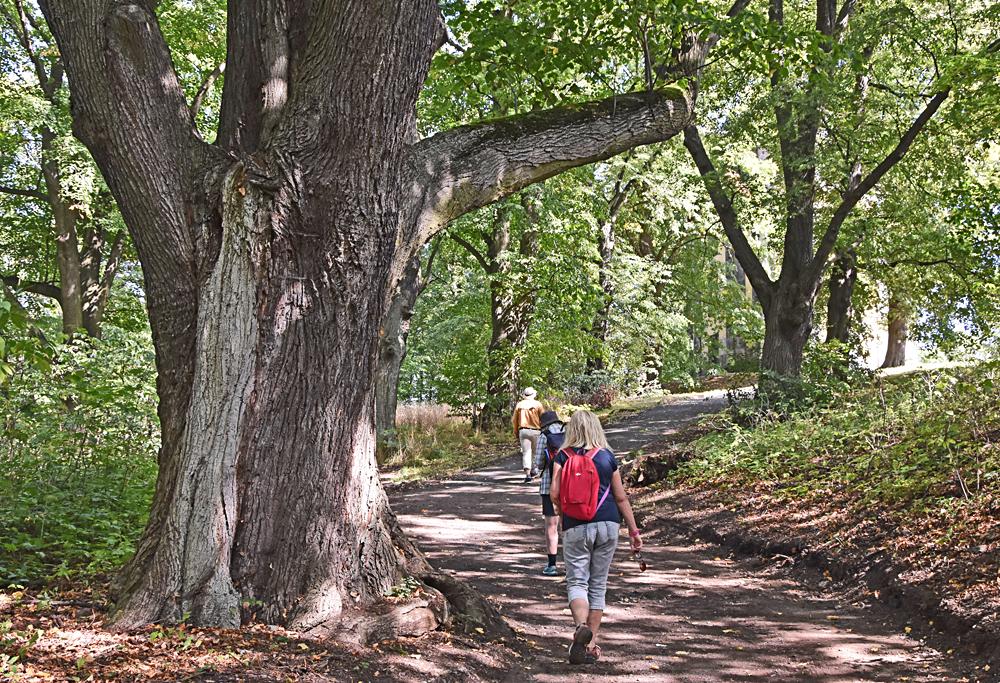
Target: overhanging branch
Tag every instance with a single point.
(466, 168)
(31, 194)
(41, 288)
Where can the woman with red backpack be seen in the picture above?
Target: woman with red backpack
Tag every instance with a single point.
(587, 490)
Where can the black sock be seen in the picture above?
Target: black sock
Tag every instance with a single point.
(552, 559)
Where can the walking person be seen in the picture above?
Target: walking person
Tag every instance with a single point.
(587, 490)
(527, 427)
(549, 444)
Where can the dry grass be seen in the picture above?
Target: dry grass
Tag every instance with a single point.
(426, 416)
(430, 442)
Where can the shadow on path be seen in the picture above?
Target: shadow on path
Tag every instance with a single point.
(692, 616)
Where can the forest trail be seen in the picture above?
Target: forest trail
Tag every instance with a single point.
(692, 616)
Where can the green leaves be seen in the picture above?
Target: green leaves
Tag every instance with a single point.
(78, 454)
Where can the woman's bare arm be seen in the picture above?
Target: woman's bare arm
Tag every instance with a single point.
(625, 508)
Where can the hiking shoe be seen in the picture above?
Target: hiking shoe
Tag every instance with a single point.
(550, 570)
(578, 650)
(527, 479)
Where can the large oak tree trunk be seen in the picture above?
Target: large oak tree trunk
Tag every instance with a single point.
(267, 259)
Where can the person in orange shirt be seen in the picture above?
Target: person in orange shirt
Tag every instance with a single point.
(527, 424)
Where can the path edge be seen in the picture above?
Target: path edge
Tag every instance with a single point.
(879, 577)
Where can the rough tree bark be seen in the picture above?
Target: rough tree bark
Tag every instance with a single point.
(87, 260)
(789, 300)
(843, 276)
(268, 258)
(898, 315)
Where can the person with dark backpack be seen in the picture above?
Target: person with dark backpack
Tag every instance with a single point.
(549, 444)
(587, 491)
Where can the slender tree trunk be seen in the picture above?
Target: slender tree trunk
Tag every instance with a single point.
(67, 249)
(843, 276)
(601, 326)
(392, 348)
(512, 306)
(895, 353)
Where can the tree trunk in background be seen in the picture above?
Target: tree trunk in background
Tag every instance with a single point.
(392, 349)
(895, 353)
(86, 269)
(267, 260)
(392, 340)
(788, 301)
(512, 305)
(843, 276)
(606, 250)
(512, 302)
(787, 324)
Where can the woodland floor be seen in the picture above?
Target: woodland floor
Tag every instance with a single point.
(696, 614)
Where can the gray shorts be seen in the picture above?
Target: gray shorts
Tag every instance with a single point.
(587, 551)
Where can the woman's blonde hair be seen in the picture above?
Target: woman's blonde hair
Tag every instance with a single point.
(584, 431)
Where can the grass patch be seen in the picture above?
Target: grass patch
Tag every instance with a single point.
(77, 460)
(429, 443)
(914, 442)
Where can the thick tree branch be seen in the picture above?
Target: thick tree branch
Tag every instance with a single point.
(468, 167)
(41, 288)
(754, 269)
(852, 197)
(31, 194)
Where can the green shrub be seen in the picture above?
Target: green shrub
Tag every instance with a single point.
(915, 441)
(77, 457)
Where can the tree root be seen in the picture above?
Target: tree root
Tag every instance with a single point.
(469, 610)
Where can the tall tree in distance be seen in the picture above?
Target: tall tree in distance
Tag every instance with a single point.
(85, 229)
(268, 259)
(813, 98)
(505, 255)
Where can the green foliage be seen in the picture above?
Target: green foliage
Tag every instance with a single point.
(829, 371)
(916, 442)
(77, 458)
(406, 588)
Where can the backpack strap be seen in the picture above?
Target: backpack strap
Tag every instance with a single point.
(592, 453)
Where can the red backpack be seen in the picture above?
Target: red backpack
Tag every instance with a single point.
(579, 484)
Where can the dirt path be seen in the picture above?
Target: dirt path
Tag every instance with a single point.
(692, 616)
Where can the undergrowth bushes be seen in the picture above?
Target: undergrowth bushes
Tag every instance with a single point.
(77, 457)
(917, 442)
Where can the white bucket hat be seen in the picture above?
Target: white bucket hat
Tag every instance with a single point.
(530, 393)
